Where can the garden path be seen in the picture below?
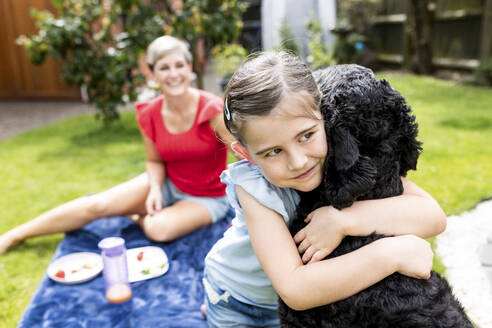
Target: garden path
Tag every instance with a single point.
(465, 248)
(20, 116)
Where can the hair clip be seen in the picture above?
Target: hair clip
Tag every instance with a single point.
(226, 110)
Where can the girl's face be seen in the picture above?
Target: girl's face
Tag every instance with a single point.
(288, 144)
(172, 72)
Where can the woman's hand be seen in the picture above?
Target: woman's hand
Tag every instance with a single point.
(153, 203)
(156, 174)
(413, 255)
(322, 234)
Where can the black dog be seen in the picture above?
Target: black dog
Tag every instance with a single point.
(371, 135)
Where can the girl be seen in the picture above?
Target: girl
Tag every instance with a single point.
(181, 190)
(272, 108)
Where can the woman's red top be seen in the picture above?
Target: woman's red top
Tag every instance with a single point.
(193, 159)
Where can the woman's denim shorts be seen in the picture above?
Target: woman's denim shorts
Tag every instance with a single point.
(224, 311)
(216, 206)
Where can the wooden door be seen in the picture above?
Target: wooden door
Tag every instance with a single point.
(20, 79)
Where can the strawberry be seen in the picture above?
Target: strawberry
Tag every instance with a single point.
(60, 274)
(140, 256)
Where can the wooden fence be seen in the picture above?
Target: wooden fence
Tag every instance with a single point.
(19, 79)
(462, 33)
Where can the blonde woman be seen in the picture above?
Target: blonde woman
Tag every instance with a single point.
(181, 190)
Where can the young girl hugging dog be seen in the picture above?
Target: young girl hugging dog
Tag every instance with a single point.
(272, 109)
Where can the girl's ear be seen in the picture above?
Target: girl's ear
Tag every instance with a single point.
(239, 149)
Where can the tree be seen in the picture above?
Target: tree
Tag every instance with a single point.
(100, 41)
(218, 21)
(421, 16)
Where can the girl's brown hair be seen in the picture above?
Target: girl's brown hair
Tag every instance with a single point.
(262, 82)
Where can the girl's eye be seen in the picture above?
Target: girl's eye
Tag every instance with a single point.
(306, 137)
(273, 152)
(179, 65)
(163, 68)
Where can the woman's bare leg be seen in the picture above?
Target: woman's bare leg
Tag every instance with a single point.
(123, 199)
(175, 221)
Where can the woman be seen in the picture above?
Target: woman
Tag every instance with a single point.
(181, 191)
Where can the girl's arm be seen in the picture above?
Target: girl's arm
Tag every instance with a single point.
(156, 173)
(414, 212)
(306, 286)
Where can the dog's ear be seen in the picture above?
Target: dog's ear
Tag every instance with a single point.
(348, 174)
(345, 148)
(409, 149)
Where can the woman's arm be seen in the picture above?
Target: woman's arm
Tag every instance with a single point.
(414, 212)
(306, 286)
(156, 173)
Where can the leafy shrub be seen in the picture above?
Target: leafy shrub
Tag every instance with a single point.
(319, 54)
(100, 41)
(288, 39)
(94, 56)
(227, 58)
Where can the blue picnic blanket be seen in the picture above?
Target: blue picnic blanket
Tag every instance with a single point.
(171, 300)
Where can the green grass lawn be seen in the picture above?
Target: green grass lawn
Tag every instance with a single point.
(455, 125)
(43, 168)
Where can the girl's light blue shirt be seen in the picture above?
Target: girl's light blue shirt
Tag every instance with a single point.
(231, 264)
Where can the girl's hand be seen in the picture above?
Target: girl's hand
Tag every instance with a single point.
(321, 236)
(153, 203)
(413, 255)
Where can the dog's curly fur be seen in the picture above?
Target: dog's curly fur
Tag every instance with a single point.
(371, 135)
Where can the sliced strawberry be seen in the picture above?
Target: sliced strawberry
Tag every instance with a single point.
(140, 256)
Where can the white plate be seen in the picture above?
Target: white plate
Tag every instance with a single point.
(76, 267)
(151, 263)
